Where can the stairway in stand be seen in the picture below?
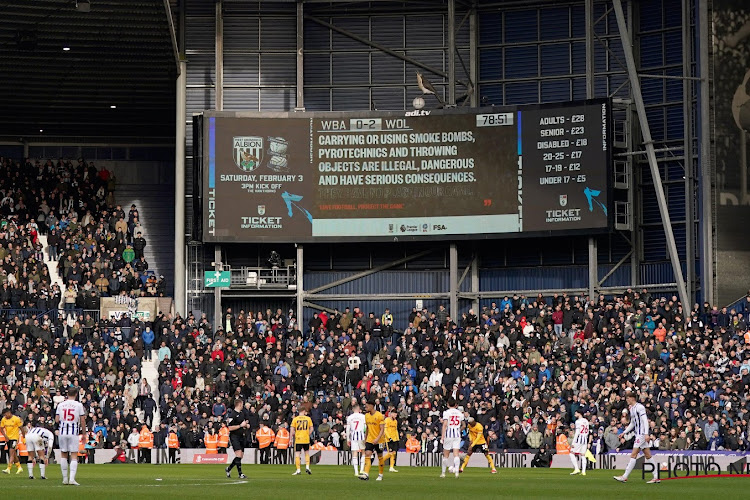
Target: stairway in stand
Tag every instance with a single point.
(155, 205)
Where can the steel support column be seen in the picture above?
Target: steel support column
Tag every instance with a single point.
(300, 267)
(451, 100)
(219, 47)
(180, 267)
(453, 263)
(219, 266)
(475, 283)
(300, 103)
(593, 278)
(473, 55)
(706, 170)
(649, 145)
(687, 103)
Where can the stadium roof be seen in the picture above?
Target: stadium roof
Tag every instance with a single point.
(121, 53)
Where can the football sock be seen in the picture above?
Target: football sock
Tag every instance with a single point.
(466, 461)
(489, 461)
(394, 455)
(368, 462)
(445, 464)
(355, 463)
(297, 461)
(43, 469)
(583, 463)
(63, 467)
(656, 466)
(73, 469)
(31, 469)
(457, 463)
(381, 464)
(307, 459)
(238, 464)
(629, 469)
(574, 461)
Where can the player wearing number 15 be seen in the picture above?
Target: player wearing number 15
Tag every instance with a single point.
(11, 427)
(302, 428)
(71, 419)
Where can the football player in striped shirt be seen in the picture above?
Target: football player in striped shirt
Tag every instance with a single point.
(453, 421)
(638, 424)
(355, 433)
(71, 419)
(39, 441)
(580, 444)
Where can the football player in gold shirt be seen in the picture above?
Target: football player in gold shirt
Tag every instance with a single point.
(374, 441)
(477, 442)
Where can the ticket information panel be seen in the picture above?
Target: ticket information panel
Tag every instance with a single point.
(460, 173)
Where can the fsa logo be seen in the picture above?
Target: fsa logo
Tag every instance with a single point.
(439, 227)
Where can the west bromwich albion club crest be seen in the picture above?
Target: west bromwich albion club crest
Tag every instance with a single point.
(247, 152)
(261, 209)
(563, 200)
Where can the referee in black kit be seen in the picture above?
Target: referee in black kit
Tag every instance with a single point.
(236, 420)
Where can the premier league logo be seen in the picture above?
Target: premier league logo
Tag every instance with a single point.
(261, 209)
(247, 152)
(563, 200)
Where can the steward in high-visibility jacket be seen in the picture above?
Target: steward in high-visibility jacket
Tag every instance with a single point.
(318, 446)
(145, 443)
(82, 453)
(412, 444)
(562, 445)
(265, 437)
(223, 438)
(22, 450)
(281, 443)
(211, 440)
(173, 443)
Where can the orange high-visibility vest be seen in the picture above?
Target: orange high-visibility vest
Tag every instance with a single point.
(224, 437)
(265, 437)
(145, 439)
(212, 443)
(330, 447)
(282, 439)
(22, 450)
(82, 446)
(318, 446)
(412, 445)
(562, 445)
(172, 441)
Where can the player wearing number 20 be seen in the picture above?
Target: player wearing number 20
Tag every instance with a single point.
(71, 419)
(302, 428)
(580, 444)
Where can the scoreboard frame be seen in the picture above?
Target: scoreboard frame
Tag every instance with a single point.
(369, 120)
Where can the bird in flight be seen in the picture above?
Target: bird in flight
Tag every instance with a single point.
(426, 87)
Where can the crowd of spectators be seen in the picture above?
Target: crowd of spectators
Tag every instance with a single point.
(521, 366)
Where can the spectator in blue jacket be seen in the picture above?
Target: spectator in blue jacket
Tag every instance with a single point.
(148, 341)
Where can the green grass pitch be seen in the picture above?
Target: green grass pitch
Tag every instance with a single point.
(276, 482)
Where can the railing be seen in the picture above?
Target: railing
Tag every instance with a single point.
(262, 278)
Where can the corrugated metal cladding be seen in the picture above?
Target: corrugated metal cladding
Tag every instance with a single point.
(531, 55)
(382, 282)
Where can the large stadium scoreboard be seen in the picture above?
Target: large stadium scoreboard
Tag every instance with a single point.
(458, 173)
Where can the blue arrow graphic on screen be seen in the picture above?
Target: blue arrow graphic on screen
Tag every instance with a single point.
(591, 195)
(290, 200)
